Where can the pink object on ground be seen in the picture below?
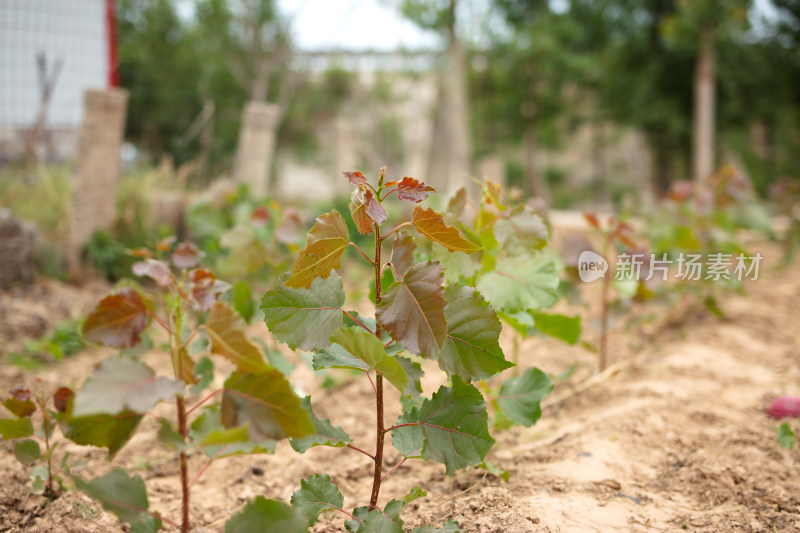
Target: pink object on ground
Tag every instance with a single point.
(784, 407)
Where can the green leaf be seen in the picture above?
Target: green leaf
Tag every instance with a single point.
(414, 494)
(451, 526)
(494, 470)
(786, 436)
(414, 374)
(377, 521)
(169, 437)
(205, 369)
(457, 265)
(521, 233)
(104, 431)
(267, 402)
(327, 241)
(358, 349)
(228, 339)
(242, 300)
(520, 322)
(472, 349)
(325, 434)
(267, 516)
(521, 283)
(124, 496)
(452, 426)
(27, 451)
(120, 384)
(561, 327)
(304, 319)
(117, 320)
(412, 310)
(216, 441)
(316, 495)
(431, 224)
(520, 397)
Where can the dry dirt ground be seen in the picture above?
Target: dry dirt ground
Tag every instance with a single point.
(676, 440)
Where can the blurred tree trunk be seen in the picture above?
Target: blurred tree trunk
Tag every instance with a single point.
(704, 106)
(536, 181)
(456, 115)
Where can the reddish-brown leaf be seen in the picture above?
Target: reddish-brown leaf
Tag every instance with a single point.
(205, 288)
(117, 320)
(166, 244)
(183, 365)
(186, 255)
(21, 393)
(413, 190)
(431, 224)
(358, 211)
(402, 259)
(356, 177)
(412, 310)
(62, 397)
(592, 219)
(158, 271)
(260, 216)
(374, 209)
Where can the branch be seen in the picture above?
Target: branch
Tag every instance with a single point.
(395, 467)
(204, 400)
(357, 321)
(357, 247)
(395, 230)
(362, 451)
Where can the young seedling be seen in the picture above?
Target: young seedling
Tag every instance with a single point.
(257, 408)
(417, 316)
(24, 404)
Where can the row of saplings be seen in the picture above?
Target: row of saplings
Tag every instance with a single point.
(440, 292)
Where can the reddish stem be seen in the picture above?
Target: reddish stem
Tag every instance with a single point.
(357, 247)
(379, 428)
(362, 451)
(184, 462)
(204, 400)
(395, 467)
(357, 321)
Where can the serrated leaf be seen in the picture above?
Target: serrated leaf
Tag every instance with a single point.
(124, 496)
(227, 332)
(402, 259)
(27, 451)
(327, 241)
(325, 434)
(520, 397)
(520, 233)
(472, 349)
(358, 349)
(412, 310)
(15, 428)
(216, 441)
(305, 318)
(377, 521)
(20, 408)
(358, 211)
(561, 327)
(117, 320)
(452, 426)
(316, 495)
(451, 526)
(104, 431)
(521, 283)
(267, 402)
(154, 269)
(120, 384)
(431, 224)
(786, 436)
(267, 516)
(355, 177)
(412, 190)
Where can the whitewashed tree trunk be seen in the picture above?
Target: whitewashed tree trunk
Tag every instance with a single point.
(256, 148)
(704, 107)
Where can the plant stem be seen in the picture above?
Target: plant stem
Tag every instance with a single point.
(46, 427)
(184, 461)
(380, 433)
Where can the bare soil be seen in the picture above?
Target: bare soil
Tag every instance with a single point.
(676, 440)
